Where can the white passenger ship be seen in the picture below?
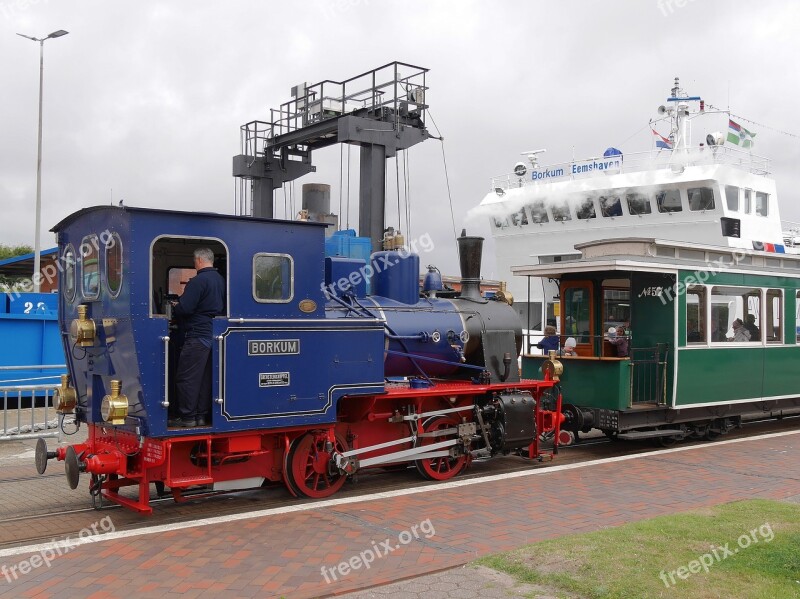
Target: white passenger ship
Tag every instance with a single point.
(714, 193)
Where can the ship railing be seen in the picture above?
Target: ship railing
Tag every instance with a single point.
(29, 412)
(633, 162)
(791, 233)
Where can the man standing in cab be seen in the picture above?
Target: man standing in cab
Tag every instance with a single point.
(202, 300)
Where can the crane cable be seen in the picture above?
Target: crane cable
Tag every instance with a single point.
(447, 180)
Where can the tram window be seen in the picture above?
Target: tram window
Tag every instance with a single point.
(611, 206)
(774, 328)
(539, 212)
(748, 200)
(732, 198)
(114, 265)
(669, 200)
(561, 211)
(90, 269)
(797, 317)
(695, 314)
(69, 273)
(701, 198)
(519, 218)
(273, 278)
(638, 203)
(762, 203)
(616, 308)
(730, 303)
(577, 313)
(585, 209)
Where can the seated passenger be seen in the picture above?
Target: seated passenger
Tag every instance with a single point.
(550, 341)
(693, 334)
(740, 333)
(569, 347)
(750, 325)
(619, 339)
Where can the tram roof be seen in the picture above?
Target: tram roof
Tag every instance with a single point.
(656, 255)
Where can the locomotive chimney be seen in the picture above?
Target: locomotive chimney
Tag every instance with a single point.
(469, 252)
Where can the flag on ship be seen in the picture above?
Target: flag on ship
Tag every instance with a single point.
(662, 142)
(739, 135)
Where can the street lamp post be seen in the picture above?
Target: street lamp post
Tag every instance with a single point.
(37, 247)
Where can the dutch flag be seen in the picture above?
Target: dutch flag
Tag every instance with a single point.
(662, 143)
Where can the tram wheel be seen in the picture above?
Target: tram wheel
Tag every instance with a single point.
(444, 467)
(308, 471)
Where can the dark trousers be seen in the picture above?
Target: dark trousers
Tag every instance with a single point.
(193, 379)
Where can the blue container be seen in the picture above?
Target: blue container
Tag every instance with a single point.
(396, 276)
(33, 303)
(346, 244)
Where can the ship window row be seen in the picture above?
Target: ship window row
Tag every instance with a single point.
(82, 267)
(746, 200)
(613, 204)
(734, 315)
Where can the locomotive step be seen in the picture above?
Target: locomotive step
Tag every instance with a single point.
(188, 481)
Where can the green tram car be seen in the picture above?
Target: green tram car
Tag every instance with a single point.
(688, 372)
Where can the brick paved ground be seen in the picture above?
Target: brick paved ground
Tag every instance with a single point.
(282, 555)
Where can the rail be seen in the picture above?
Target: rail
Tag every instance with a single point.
(28, 412)
(654, 160)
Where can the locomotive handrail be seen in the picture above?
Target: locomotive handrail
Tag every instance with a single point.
(437, 360)
(165, 403)
(220, 399)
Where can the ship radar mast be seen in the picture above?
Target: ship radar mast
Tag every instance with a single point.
(677, 109)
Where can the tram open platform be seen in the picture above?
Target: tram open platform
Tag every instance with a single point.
(341, 546)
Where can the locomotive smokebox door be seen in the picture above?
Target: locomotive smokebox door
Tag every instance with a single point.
(496, 344)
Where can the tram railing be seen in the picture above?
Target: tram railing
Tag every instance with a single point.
(648, 375)
(29, 413)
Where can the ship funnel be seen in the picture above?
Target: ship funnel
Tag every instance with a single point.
(469, 251)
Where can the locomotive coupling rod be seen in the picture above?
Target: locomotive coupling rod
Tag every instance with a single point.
(360, 450)
(411, 454)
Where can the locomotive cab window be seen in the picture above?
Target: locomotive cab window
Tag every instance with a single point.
(114, 265)
(172, 266)
(69, 273)
(273, 278)
(90, 267)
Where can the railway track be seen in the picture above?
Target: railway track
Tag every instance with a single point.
(66, 523)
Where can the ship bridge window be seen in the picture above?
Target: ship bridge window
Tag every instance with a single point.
(762, 203)
(774, 330)
(90, 267)
(519, 218)
(748, 201)
(114, 265)
(701, 198)
(638, 203)
(669, 200)
(500, 223)
(69, 273)
(610, 206)
(273, 278)
(696, 314)
(539, 212)
(172, 266)
(585, 209)
(732, 198)
(561, 211)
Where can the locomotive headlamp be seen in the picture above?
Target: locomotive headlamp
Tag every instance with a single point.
(114, 408)
(552, 369)
(82, 330)
(65, 397)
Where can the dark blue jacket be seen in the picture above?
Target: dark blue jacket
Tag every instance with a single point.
(202, 299)
(548, 343)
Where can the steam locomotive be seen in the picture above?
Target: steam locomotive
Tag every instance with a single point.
(313, 379)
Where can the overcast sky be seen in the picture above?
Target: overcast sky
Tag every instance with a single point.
(146, 98)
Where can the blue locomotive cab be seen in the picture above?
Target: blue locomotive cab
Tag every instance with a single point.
(275, 360)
